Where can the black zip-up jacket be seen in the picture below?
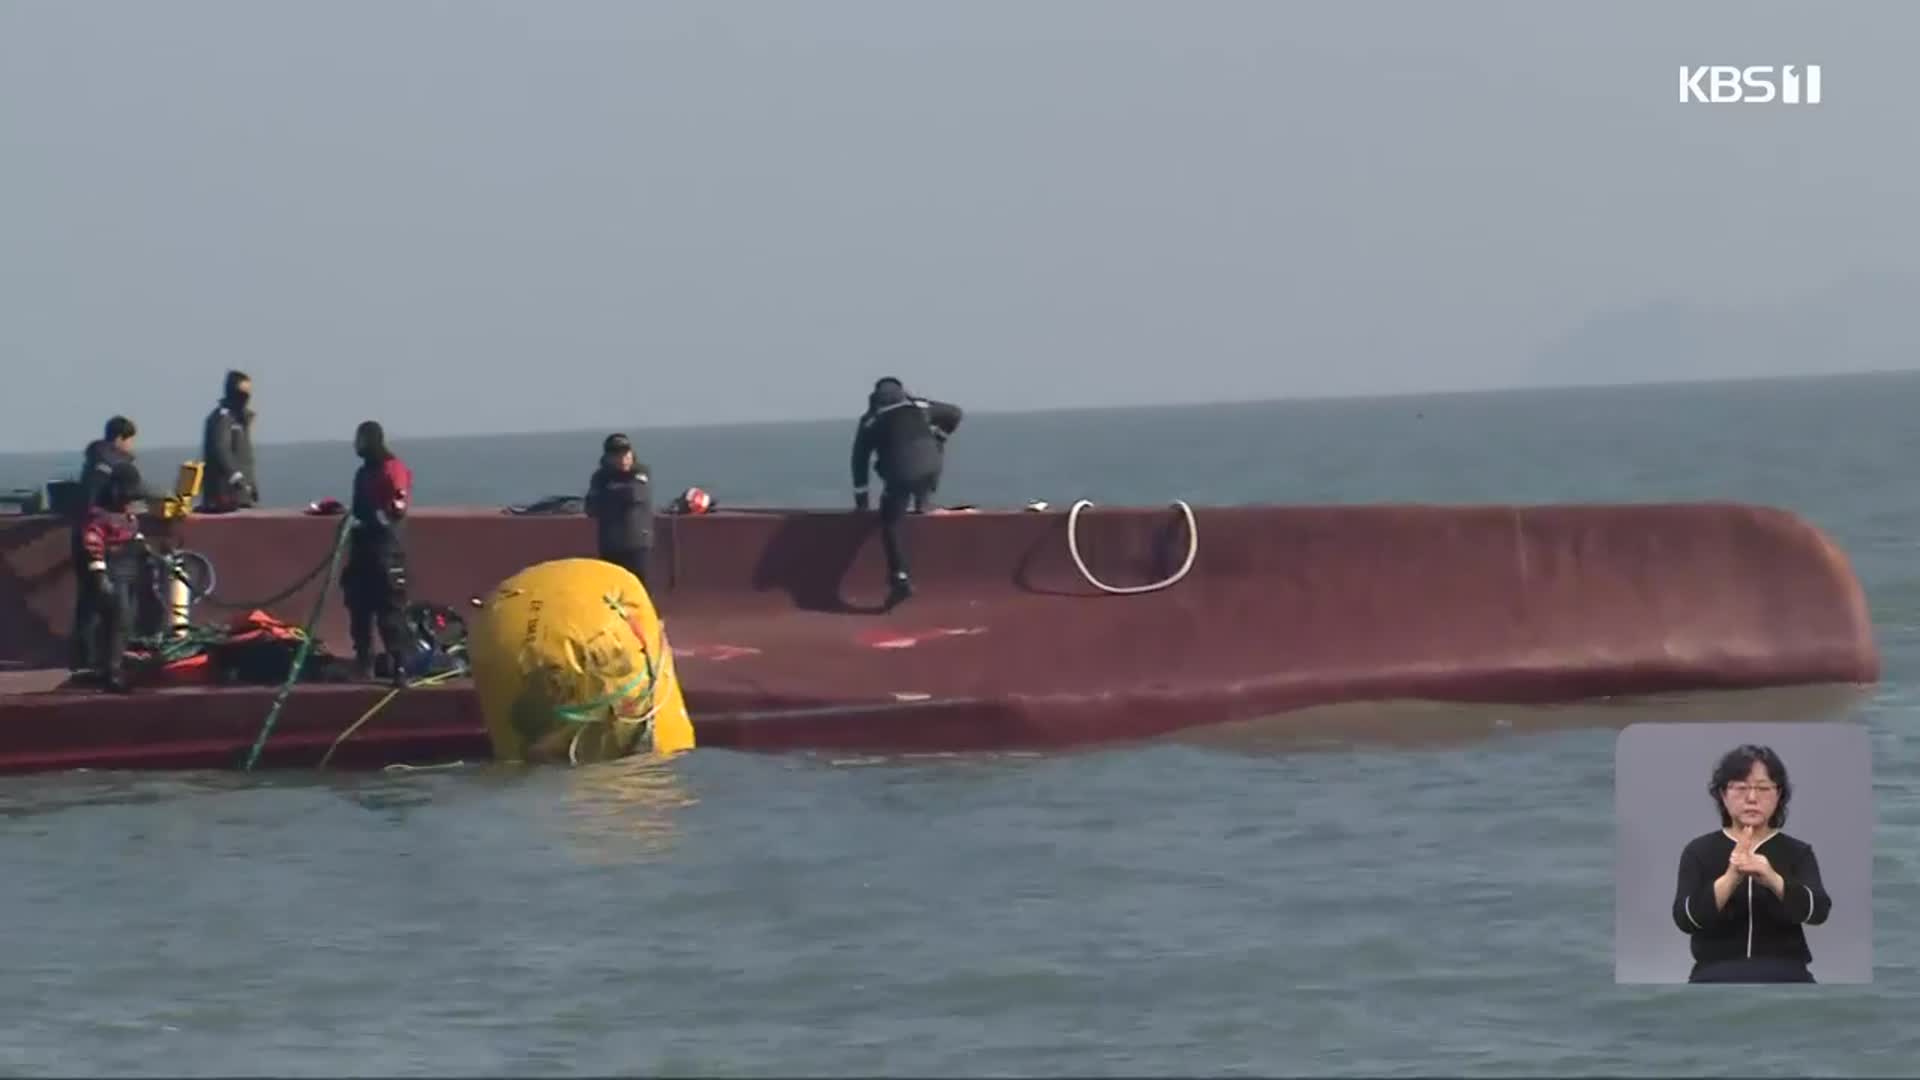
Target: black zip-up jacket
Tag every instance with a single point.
(905, 432)
(1755, 924)
(621, 504)
(96, 478)
(227, 447)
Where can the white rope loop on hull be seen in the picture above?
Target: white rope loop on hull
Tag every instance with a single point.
(1073, 549)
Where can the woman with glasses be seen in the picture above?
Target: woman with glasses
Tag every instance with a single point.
(1746, 889)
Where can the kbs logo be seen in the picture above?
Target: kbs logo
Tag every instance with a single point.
(1720, 85)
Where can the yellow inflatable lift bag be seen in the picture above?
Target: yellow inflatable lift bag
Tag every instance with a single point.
(572, 665)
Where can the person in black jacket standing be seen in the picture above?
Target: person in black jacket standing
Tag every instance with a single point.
(227, 448)
(620, 500)
(903, 438)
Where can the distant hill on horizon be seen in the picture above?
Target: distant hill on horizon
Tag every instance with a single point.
(1861, 323)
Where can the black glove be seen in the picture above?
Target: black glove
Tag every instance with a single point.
(102, 584)
(859, 500)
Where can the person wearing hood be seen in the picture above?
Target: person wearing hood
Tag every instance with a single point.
(620, 501)
(227, 448)
(99, 462)
(902, 438)
(110, 551)
(374, 582)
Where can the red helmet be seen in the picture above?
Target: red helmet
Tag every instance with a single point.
(695, 501)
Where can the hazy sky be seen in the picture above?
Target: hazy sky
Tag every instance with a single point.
(468, 216)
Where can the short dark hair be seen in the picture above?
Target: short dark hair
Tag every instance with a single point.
(120, 428)
(1735, 765)
(616, 443)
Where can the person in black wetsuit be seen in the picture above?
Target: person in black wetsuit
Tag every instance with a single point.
(1746, 889)
(97, 466)
(374, 583)
(227, 448)
(110, 545)
(902, 437)
(923, 500)
(620, 500)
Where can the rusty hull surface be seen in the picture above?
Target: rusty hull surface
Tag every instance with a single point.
(774, 620)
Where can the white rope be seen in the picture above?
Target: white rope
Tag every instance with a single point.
(1073, 548)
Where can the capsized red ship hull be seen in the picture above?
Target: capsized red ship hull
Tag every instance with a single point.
(775, 623)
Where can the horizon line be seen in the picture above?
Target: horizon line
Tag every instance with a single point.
(1214, 403)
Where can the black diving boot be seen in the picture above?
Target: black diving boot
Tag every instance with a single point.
(899, 590)
(397, 672)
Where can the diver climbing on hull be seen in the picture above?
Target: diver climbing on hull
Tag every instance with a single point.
(903, 439)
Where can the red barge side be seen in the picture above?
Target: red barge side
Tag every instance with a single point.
(774, 621)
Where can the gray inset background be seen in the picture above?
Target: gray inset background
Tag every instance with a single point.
(1661, 773)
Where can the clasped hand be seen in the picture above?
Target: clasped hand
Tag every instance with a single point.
(1748, 862)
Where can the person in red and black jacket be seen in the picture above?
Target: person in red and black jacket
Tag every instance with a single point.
(96, 479)
(110, 543)
(374, 583)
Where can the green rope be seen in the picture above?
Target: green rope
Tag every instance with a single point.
(166, 648)
(586, 713)
(306, 641)
(174, 646)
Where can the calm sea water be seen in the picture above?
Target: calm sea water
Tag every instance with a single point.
(1172, 908)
